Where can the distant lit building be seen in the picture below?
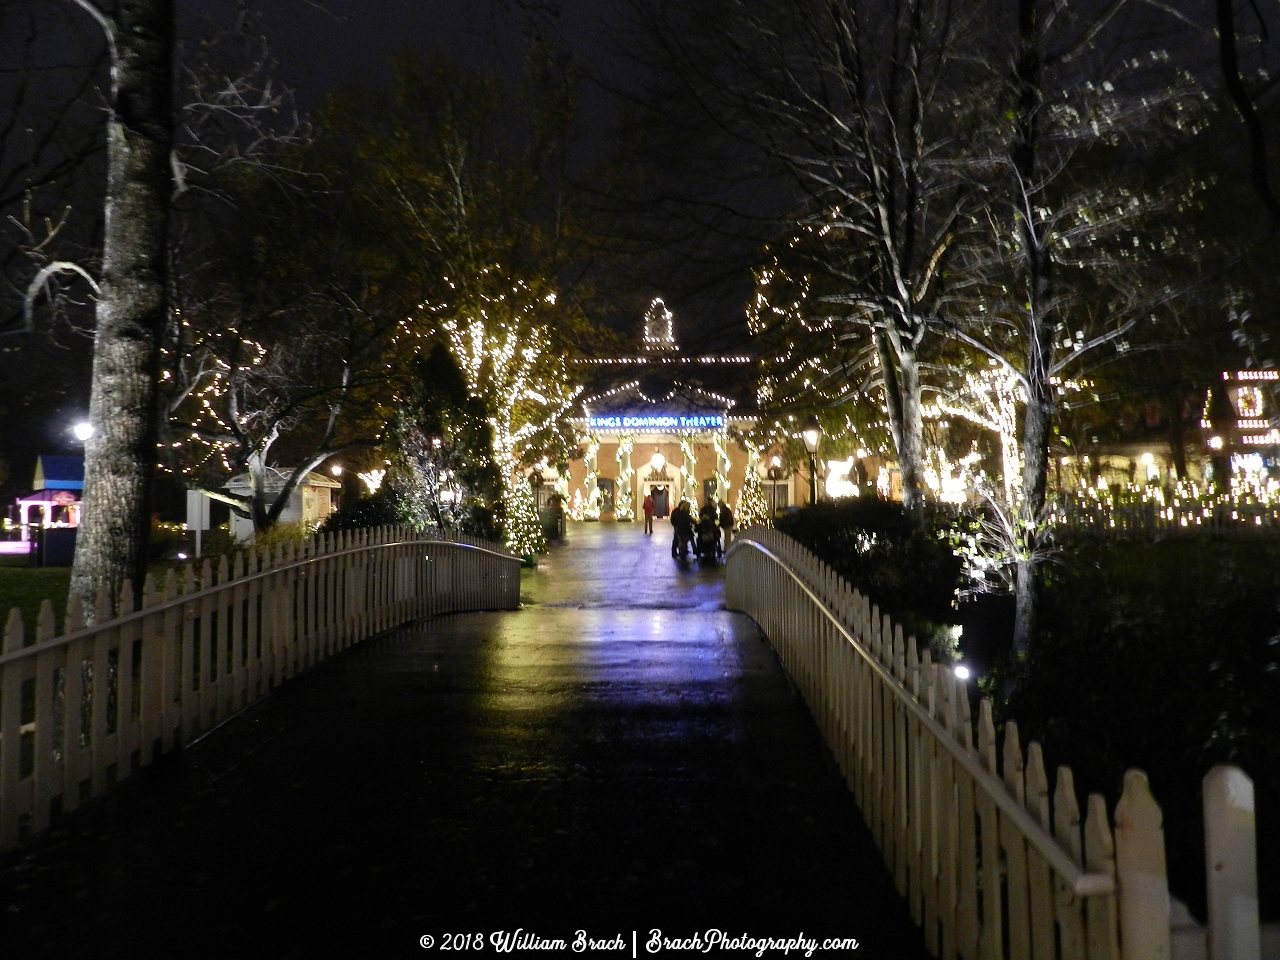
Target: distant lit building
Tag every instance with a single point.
(662, 423)
(54, 500)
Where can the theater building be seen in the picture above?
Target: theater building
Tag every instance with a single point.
(664, 423)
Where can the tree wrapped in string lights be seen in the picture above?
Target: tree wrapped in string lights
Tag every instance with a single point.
(753, 509)
(496, 331)
(720, 443)
(522, 529)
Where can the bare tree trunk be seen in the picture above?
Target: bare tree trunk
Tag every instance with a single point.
(900, 370)
(911, 445)
(1177, 432)
(133, 307)
(1038, 415)
(1222, 417)
(1036, 425)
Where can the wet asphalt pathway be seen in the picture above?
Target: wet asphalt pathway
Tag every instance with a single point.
(621, 755)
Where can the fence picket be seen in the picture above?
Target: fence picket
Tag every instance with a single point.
(1231, 852)
(990, 889)
(1142, 888)
(967, 914)
(1016, 883)
(10, 733)
(1101, 913)
(1066, 830)
(1039, 880)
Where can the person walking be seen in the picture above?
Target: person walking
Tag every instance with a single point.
(726, 525)
(648, 513)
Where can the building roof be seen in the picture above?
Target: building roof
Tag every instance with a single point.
(679, 398)
(661, 373)
(278, 476)
(58, 473)
(60, 497)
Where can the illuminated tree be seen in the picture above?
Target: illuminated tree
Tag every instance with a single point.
(506, 355)
(753, 508)
(872, 112)
(284, 352)
(989, 398)
(523, 531)
(1063, 275)
(157, 151)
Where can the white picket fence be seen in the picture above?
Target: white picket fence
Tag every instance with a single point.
(83, 710)
(991, 856)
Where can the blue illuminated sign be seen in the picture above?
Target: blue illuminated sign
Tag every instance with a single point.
(658, 421)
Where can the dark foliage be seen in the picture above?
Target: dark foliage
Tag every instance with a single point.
(875, 545)
(1164, 656)
(384, 508)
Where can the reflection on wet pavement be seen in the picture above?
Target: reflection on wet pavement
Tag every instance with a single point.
(621, 755)
(617, 565)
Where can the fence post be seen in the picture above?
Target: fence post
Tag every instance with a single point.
(1231, 864)
(1141, 878)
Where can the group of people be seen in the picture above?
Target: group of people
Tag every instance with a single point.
(708, 536)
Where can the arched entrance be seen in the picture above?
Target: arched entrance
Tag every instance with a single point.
(662, 486)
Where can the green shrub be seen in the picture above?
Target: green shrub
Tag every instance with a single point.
(1163, 656)
(26, 587)
(390, 507)
(905, 568)
(381, 509)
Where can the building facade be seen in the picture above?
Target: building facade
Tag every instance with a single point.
(665, 424)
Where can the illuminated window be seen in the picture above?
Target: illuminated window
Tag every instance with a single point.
(1249, 402)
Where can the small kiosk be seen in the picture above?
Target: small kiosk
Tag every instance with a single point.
(53, 503)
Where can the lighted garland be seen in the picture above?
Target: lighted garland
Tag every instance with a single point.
(591, 485)
(690, 469)
(720, 443)
(623, 506)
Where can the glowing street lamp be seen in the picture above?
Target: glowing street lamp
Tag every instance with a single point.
(811, 433)
(83, 431)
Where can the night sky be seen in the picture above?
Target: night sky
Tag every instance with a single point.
(317, 45)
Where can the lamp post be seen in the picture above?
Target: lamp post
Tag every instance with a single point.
(811, 432)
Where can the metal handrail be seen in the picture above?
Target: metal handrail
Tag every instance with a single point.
(1083, 884)
(143, 612)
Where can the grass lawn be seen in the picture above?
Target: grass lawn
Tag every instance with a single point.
(26, 587)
